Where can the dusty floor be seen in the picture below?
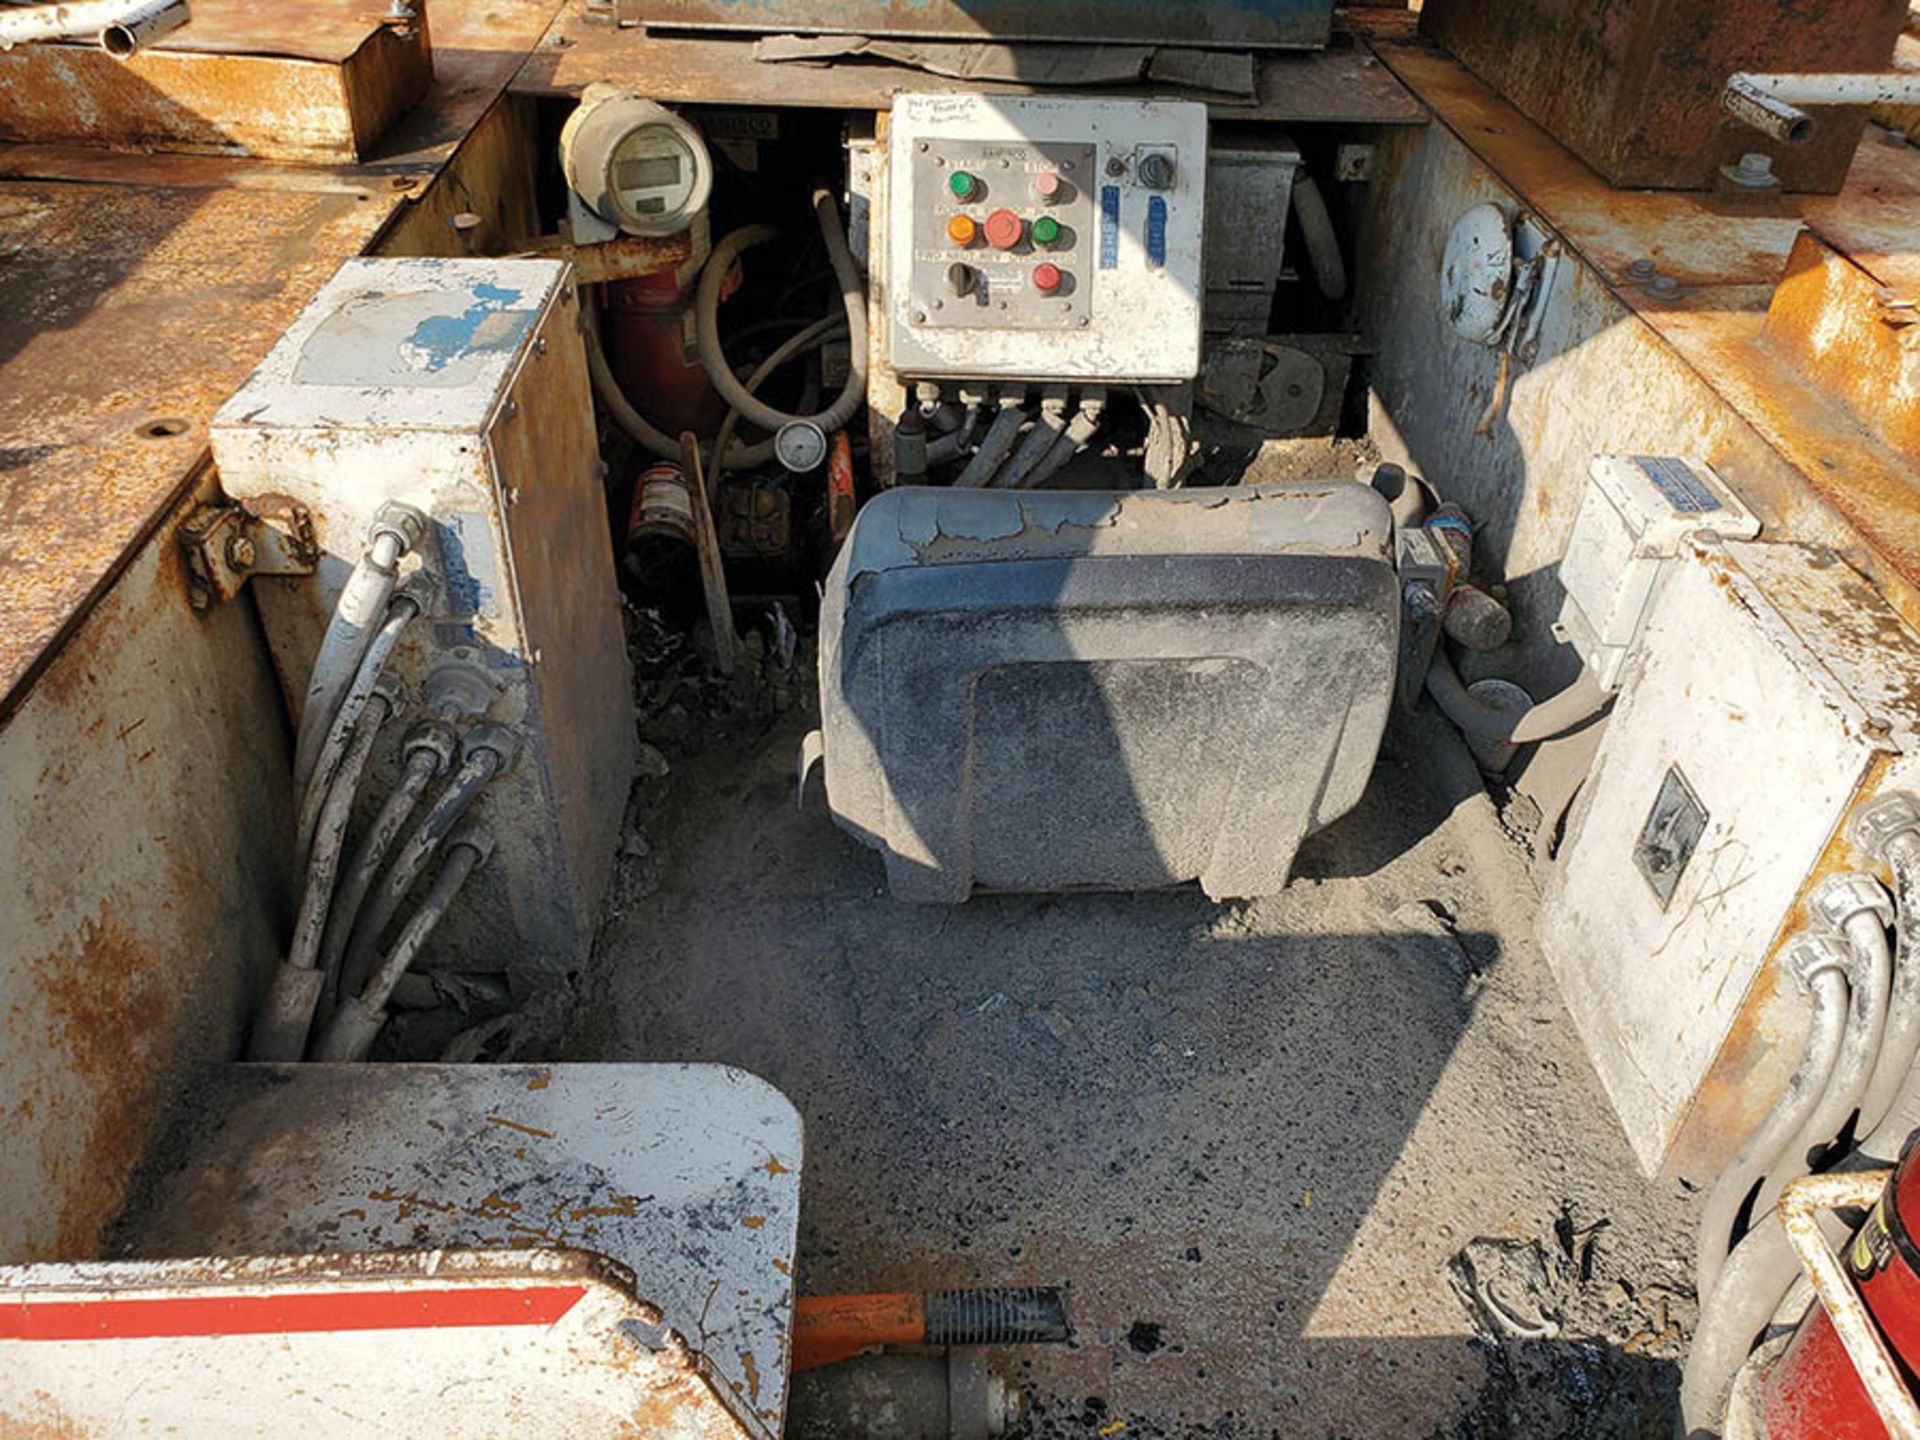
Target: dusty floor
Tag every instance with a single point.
(1251, 1139)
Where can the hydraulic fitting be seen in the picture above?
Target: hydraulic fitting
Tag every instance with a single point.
(500, 739)
(471, 835)
(1879, 821)
(400, 520)
(1839, 898)
(1812, 953)
(432, 737)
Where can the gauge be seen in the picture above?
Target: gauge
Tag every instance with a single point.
(801, 446)
(635, 164)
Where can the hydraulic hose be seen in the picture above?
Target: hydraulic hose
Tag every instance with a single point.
(350, 1033)
(706, 317)
(362, 604)
(1045, 434)
(1900, 1046)
(1323, 242)
(648, 435)
(993, 451)
(429, 749)
(281, 1025)
(489, 750)
(953, 444)
(1822, 975)
(1867, 983)
(1080, 432)
(404, 608)
(1572, 707)
(728, 456)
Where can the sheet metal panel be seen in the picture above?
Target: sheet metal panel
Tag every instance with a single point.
(1280, 24)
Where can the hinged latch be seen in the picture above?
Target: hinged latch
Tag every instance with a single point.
(225, 543)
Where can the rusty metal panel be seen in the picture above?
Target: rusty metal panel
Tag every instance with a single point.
(1283, 24)
(1341, 85)
(144, 827)
(317, 82)
(1633, 86)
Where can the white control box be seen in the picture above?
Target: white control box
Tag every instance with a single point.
(1045, 238)
(1635, 518)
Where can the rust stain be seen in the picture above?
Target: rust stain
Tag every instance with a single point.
(541, 1081)
(754, 1222)
(774, 1167)
(532, 1130)
(1753, 1061)
(497, 1204)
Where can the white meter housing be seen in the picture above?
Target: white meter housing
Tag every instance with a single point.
(635, 166)
(1041, 238)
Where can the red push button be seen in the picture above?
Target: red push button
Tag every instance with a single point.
(1047, 279)
(1005, 230)
(1048, 186)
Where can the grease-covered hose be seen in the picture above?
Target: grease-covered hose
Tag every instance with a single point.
(1573, 706)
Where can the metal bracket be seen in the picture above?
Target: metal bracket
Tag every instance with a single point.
(225, 544)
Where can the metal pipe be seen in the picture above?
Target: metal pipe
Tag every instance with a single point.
(151, 22)
(1572, 707)
(140, 20)
(1772, 104)
(1045, 434)
(350, 1033)
(428, 749)
(280, 1029)
(489, 750)
(993, 451)
(1900, 1047)
(402, 610)
(1818, 966)
(706, 319)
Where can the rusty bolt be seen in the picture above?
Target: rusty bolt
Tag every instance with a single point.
(1664, 286)
(198, 595)
(240, 552)
(1642, 269)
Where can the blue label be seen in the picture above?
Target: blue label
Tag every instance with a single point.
(1110, 227)
(1675, 480)
(1157, 232)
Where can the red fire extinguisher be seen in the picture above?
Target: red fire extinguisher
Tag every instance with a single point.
(1813, 1391)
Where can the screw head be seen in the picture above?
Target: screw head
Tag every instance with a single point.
(240, 552)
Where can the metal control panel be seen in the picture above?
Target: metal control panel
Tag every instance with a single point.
(1045, 239)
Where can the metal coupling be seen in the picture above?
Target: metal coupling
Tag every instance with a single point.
(500, 739)
(1839, 898)
(1875, 824)
(471, 835)
(1812, 953)
(400, 520)
(457, 690)
(431, 737)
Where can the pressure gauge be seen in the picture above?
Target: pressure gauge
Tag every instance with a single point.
(637, 166)
(800, 446)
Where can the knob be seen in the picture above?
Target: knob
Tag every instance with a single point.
(1047, 279)
(961, 279)
(1157, 170)
(1005, 229)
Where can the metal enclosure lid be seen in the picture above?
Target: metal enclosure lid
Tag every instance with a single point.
(1637, 514)
(406, 344)
(1250, 178)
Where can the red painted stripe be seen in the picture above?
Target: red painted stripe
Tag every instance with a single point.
(114, 1317)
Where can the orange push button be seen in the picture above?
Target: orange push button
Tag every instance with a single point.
(1005, 229)
(962, 231)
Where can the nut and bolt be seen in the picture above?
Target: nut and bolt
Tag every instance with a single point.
(1664, 286)
(1642, 270)
(240, 552)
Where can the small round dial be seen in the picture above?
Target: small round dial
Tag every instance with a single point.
(800, 446)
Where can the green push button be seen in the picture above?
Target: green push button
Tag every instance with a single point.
(963, 185)
(1046, 232)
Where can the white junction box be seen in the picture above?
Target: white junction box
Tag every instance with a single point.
(460, 387)
(1045, 238)
(1765, 702)
(1635, 518)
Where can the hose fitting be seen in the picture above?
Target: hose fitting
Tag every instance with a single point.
(1878, 823)
(1839, 898)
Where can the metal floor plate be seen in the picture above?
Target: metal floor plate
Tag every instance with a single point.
(687, 1174)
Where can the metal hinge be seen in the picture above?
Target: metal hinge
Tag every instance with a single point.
(225, 544)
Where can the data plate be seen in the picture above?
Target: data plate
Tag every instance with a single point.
(1076, 239)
